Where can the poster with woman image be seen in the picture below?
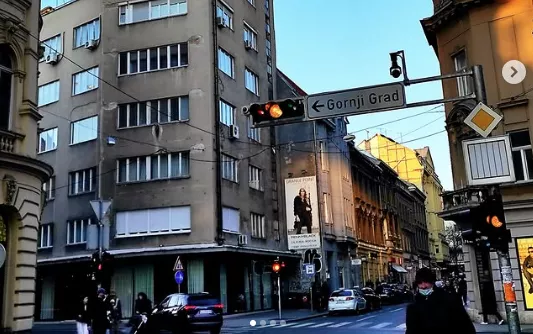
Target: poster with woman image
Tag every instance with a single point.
(303, 217)
(524, 249)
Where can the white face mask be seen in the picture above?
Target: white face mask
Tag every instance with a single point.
(425, 292)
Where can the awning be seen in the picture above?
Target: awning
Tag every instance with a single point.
(399, 269)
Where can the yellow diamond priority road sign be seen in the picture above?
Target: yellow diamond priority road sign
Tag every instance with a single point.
(483, 119)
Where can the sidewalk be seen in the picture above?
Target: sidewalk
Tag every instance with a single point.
(243, 319)
(494, 328)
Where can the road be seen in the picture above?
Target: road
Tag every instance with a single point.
(390, 319)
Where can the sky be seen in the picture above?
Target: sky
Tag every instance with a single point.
(328, 45)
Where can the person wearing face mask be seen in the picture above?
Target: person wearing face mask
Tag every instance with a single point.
(434, 310)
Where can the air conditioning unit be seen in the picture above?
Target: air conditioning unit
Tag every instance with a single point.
(220, 22)
(248, 45)
(234, 131)
(52, 58)
(243, 240)
(91, 44)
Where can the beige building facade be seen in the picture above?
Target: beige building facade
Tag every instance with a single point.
(489, 33)
(21, 174)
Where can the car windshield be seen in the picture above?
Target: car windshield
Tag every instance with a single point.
(342, 293)
(202, 300)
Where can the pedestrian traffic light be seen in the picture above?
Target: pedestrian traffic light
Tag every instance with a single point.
(272, 112)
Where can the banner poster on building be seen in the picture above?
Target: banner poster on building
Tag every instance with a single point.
(524, 248)
(303, 217)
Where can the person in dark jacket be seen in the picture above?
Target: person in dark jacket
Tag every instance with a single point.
(302, 212)
(99, 313)
(143, 304)
(435, 311)
(84, 317)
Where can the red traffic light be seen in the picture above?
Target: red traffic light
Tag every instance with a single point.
(99, 266)
(276, 267)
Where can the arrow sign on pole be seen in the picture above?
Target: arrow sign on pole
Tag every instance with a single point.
(96, 208)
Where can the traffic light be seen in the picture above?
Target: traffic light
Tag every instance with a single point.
(281, 111)
(276, 267)
(489, 227)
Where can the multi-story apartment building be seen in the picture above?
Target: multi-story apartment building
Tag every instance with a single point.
(416, 166)
(392, 237)
(21, 174)
(456, 31)
(138, 99)
(317, 150)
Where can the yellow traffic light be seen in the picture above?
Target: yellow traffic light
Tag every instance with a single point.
(276, 267)
(275, 111)
(494, 221)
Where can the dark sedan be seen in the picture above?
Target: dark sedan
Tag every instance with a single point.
(185, 313)
(373, 300)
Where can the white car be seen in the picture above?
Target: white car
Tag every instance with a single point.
(346, 300)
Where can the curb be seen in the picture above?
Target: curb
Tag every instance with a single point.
(307, 317)
(239, 315)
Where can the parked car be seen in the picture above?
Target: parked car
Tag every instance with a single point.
(373, 300)
(388, 294)
(346, 300)
(183, 313)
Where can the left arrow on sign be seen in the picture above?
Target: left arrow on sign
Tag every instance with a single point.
(316, 106)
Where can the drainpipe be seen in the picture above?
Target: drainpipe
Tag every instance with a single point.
(218, 168)
(325, 264)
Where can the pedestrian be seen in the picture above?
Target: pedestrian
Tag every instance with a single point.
(463, 291)
(435, 311)
(325, 292)
(115, 316)
(488, 304)
(143, 305)
(99, 313)
(84, 317)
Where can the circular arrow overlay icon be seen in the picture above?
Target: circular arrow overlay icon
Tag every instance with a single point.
(514, 72)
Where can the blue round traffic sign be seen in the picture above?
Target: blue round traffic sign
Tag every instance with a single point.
(179, 276)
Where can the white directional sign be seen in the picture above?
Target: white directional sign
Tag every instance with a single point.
(356, 101)
(310, 269)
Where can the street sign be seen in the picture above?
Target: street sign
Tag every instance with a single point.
(488, 160)
(356, 262)
(178, 266)
(483, 119)
(100, 208)
(179, 276)
(356, 101)
(309, 269)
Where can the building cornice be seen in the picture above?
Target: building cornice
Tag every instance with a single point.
(21, 163)
(22, 5)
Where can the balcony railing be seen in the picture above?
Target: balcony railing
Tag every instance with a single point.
(459, 201)
(7, 141)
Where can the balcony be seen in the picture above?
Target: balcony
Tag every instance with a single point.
(458, 203)
(7, 141)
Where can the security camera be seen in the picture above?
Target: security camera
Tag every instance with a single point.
(395, 69)
(246, 111)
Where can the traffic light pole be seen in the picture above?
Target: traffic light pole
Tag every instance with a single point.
(279, 296)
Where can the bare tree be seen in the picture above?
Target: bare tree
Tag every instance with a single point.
(455, 241)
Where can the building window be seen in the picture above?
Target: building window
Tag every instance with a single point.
(54, 3)
(85, 81)
(46, 236)
(253, 133)
(151, 10)
(174, 109)
(463, 83)
(231, 219)
(226, 63)
(84, 130)
(153, 59)
(267, 7)
(250, 37)
(87, 32)
(230, 168)
(227, 113)
(327, 208)
(154, 167)
(82, 181)
(255, 177)
(49, 189)
(77, 231)
(48, 140)
(522, 155)
(251, 2)
(268, 48)
(168, 220)
(323, 155)
(258, 225)
(226, 14)
(52, 46)
(48, 93)
(251, 81)
(6, 82)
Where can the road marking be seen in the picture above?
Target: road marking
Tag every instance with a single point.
(366, 318)
(396, 310)
(402, 326)
(321, 325)
(381, 325)
(340, 325)
(361, 324)
(289, 324)
(303, 325)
